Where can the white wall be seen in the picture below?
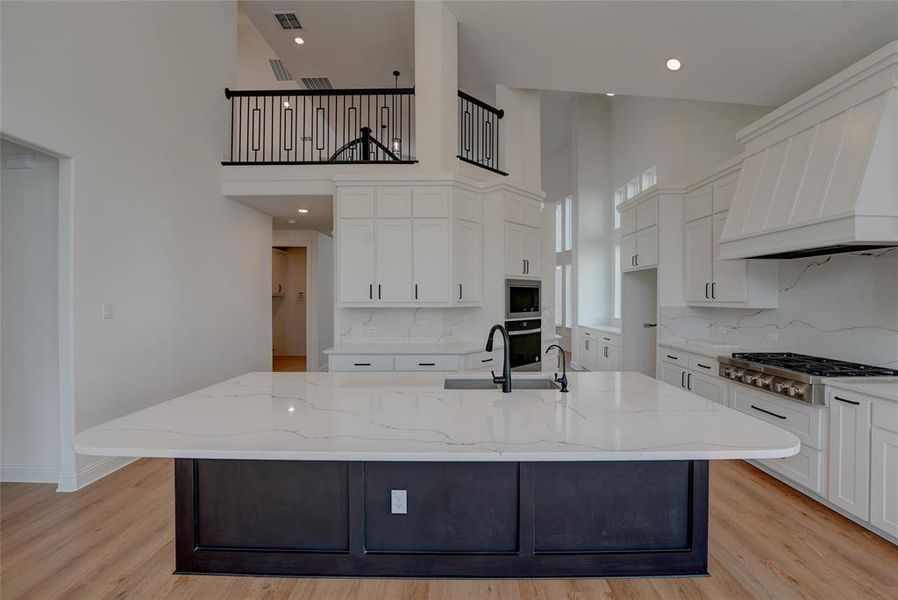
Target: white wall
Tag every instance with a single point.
(29, 376)
(319, 286)
(253, 53)
(143, 118)
(684, 138)
(289, 310)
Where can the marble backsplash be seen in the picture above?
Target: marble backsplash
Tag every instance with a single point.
(842, 306)
(404, 325)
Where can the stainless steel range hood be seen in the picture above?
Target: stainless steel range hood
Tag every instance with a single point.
(820, 174)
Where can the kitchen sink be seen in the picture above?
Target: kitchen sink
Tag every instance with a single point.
(524, 383)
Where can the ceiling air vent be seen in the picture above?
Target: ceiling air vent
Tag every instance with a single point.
(280, 71)
(317, 83)
(288, 20)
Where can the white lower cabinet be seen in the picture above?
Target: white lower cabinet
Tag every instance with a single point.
(360, 362)
(423, 362)
(692, 372)
(884, 480)
(849, 453)
(709, 387)
(599, 350)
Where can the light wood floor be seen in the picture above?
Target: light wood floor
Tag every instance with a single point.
(114, 539)
(289, 363)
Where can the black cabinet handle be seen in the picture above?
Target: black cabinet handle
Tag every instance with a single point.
(682, 379)
(703, 366)
(370, 291)
(378, 291)
(689, 381)
(714, 289)
(606, 351)
(637, 259)
(673, 357)
(486, 360)
(523, 266)
(606, 339)
(706, 290)
(840, 399)
(772, 414)
(416, 291)
(361, 364)
(427, 364)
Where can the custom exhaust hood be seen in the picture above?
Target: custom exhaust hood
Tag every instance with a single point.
(820, 174)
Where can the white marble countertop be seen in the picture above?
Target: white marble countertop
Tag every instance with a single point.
(882, 387)
(407, 348)
(603, 327)
(709, 349)
(410, 417)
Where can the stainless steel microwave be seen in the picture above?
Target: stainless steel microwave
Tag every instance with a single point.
(521, 298)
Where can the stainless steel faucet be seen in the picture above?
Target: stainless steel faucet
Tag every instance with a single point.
(505, 380)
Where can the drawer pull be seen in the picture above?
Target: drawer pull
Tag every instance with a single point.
(840, 399)
(673, 357)
(486, 360)
(361, 364)
(772, 414)
(606, 339)
(427, 364)
(703, 366)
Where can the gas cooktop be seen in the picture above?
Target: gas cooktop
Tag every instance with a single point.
(795, 376)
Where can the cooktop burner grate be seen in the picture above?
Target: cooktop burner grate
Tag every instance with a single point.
(813, 365)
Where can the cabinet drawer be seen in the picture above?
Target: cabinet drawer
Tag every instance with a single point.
(885, 413)
(703, 364)
(430, 202)
(360, 362)
(804, 420)
(483, 361)
(675, 357)
(647, 214)
(423, 362)
(608, 339)
(804, 468)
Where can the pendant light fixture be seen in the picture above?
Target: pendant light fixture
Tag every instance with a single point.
(396, 142)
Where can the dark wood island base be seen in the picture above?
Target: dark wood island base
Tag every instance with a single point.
(464, 519)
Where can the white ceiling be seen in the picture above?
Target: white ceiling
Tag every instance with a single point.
(747, 52)
(355, 44)
(319, 218)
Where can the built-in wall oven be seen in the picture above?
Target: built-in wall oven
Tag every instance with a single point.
(525, 341)
(521, 299)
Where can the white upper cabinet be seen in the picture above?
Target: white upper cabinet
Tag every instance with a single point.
(709, 280)
(408, 245)
(523, 236)
(639, 230)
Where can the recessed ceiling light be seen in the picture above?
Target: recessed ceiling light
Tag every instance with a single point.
(303, 210)
(674, 64)
(299, 40)
(609, 93)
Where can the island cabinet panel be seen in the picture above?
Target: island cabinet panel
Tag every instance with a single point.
(463, 519)
(451, 507)
(306, 505)
(577, 511)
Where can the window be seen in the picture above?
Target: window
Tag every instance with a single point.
(632, 187)
(619, 196)
(564, 243)
(649, 178)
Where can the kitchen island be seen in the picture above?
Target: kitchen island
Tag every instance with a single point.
(390, 474)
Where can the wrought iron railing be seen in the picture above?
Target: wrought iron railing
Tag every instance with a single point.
(478, 132)
(304, 127)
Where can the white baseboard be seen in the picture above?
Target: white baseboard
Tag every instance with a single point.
(29, 474)
(92, 472)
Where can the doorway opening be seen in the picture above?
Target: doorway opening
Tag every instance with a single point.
(289, 274)
(29, 315)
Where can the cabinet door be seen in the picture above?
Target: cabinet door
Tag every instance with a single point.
(532, 242)
(707, 386)
(430, 260)
(672, 375)
(589, 354)
(849, 453)
(628, 252)
(356, 251)
(394, 260)
(612, 358)
(697, 259)
(730, 276)
(647, 247)
(514, 249)
(628, 221)
(278, 273)
(533, 216)
(884, 480)
(467, 249)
